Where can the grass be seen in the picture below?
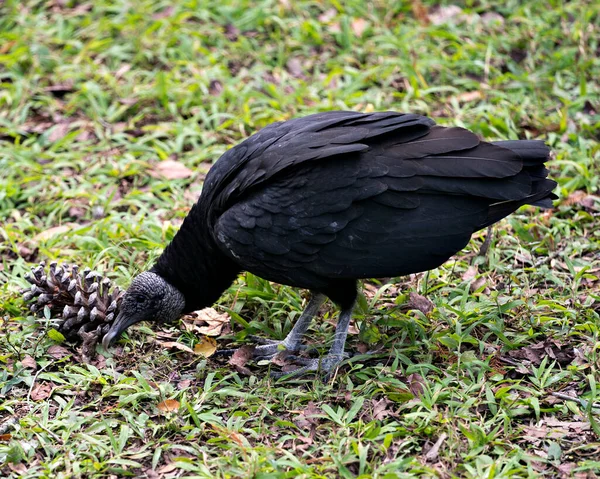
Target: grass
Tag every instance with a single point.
(95, 95)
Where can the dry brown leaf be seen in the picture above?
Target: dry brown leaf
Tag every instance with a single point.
(51, 232)
(478, 283)
(448, 14)
(185, 383)
(59, 132)
(552, 428)
(308, 417)
(358, 26)
(420, 12)
(215, 87)
(214, 320)
(58, 352)
(166, 13)
(205, 347)
(207, 322)
(418, 302)
(380, 408)
(294, 66)
(29, 363)
(416, 384)
(580, 197)
(124, 68)
(470, 273)
(168, 405)
(171, 170)
(167, 468)
(469, 96)
(19, 468)
(176, 345)
(41, 391)
(327, 15)
(60, 88)
(535, 353)
(241, 357)
(352, 329)
(491, 18)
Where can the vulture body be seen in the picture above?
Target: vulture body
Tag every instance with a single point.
(321, 201)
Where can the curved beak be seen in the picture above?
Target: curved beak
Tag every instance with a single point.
(122, 322)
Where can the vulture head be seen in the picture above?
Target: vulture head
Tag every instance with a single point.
(149, 298)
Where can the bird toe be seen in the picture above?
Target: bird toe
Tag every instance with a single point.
(324, 365)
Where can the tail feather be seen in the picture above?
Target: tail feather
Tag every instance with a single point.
(534, 154)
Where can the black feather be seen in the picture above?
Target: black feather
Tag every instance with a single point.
(320, 201)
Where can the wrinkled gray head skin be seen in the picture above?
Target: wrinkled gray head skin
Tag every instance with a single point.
(149, 298)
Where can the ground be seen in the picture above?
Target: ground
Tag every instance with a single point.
(111, 113)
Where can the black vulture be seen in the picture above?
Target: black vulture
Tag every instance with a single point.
(321, 201)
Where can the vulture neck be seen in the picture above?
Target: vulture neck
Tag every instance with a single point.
(194, 264)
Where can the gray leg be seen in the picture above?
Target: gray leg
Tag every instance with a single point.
(335, 355)
(292, 342)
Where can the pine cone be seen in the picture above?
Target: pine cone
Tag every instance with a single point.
(84, 300)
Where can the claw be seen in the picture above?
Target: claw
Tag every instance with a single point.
(267, 350)
(326, 364)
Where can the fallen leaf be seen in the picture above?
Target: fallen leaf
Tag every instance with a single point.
(327, 15)
(241, 357)
(19, 468)
(566, 468)
(41, 391)
(185, 383)
(51, 232)
(29, 363)
(470, 273)
(358, 26)
(535, 353)
(167, 12)
(176, 345)
(58, 352)
(60, 89)
(579, 197)
(215, 87)
(171, 170)
(469, 96)
(490, 18)
(448, 14)
(151, 474)
(416, 384)
(294, 66)
(380, 408)
(168, 468)
(124, 68)
(211, 321)
(418, 302)
(231, 32)
(281, 359)
(168, 405)
(58, 132)
(205, 347)
(128, 102)
(478, 283)
(420, 12)
(352, 329)
(309, 416)
(100, 361)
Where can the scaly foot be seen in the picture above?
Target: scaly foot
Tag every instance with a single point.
(324, 365)
(267, 348)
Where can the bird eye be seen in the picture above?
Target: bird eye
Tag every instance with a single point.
(139, 298)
